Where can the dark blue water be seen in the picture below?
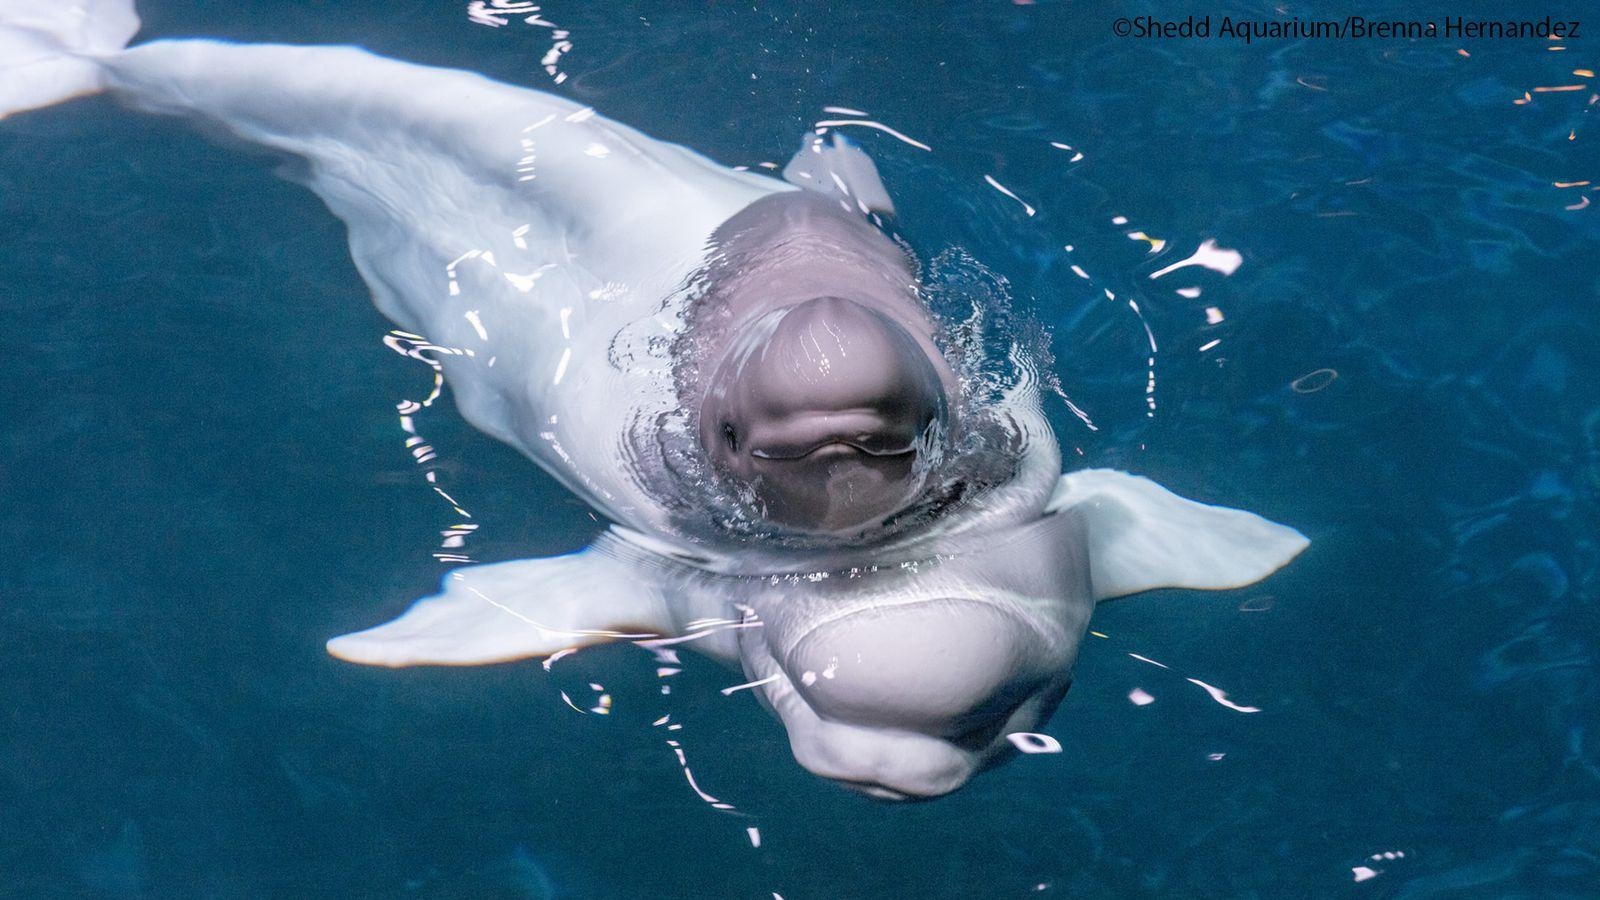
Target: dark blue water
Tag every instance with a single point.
(202, 479)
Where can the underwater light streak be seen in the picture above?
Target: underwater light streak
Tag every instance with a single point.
(1077, 155)
(1147, 332)
(1221, 697)
(694, 624)
(730, 691)
(456, 536)
(495, 13)
(525, 165)
(1572, 132)
(1311, 382)
(416, 347)
(1026, 207)
(1209, 255)
(551, 61)
(559, 654)
(1362, 873)
(450, 268)
(651, 642)
(450, 500)
(571, 632)
(480, 12)
(868, 123)
(689, 777)
(1074, 408)
(1150, 361)
(1156, 244)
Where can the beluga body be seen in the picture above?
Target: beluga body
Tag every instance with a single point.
(738, 372)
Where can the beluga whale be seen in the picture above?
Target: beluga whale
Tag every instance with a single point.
(738, 371)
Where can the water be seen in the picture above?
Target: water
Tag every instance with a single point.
(203, 479)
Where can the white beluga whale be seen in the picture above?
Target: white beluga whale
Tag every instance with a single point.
(739, 372)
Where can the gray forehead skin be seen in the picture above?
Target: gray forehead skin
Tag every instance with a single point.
(821, 407)
(823, 373)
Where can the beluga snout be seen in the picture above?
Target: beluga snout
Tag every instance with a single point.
(828, 411)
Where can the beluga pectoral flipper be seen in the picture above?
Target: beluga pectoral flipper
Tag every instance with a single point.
(522, 608)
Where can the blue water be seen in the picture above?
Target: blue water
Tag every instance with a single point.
(202, 479)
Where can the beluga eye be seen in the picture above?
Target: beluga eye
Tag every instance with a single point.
(730, 436)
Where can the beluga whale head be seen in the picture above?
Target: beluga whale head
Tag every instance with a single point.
(828, 411)
(821, 393)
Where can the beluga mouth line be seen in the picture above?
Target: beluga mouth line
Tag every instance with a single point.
(858, 446)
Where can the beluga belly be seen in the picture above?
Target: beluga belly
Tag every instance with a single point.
(738, 372)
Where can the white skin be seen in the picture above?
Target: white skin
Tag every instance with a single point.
(909, 684)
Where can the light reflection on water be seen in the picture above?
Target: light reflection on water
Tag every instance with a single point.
(199, 481)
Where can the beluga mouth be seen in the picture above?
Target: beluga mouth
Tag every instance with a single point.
(823, 408)
(859, 431)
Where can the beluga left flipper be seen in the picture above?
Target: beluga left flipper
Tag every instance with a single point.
(741, 374)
